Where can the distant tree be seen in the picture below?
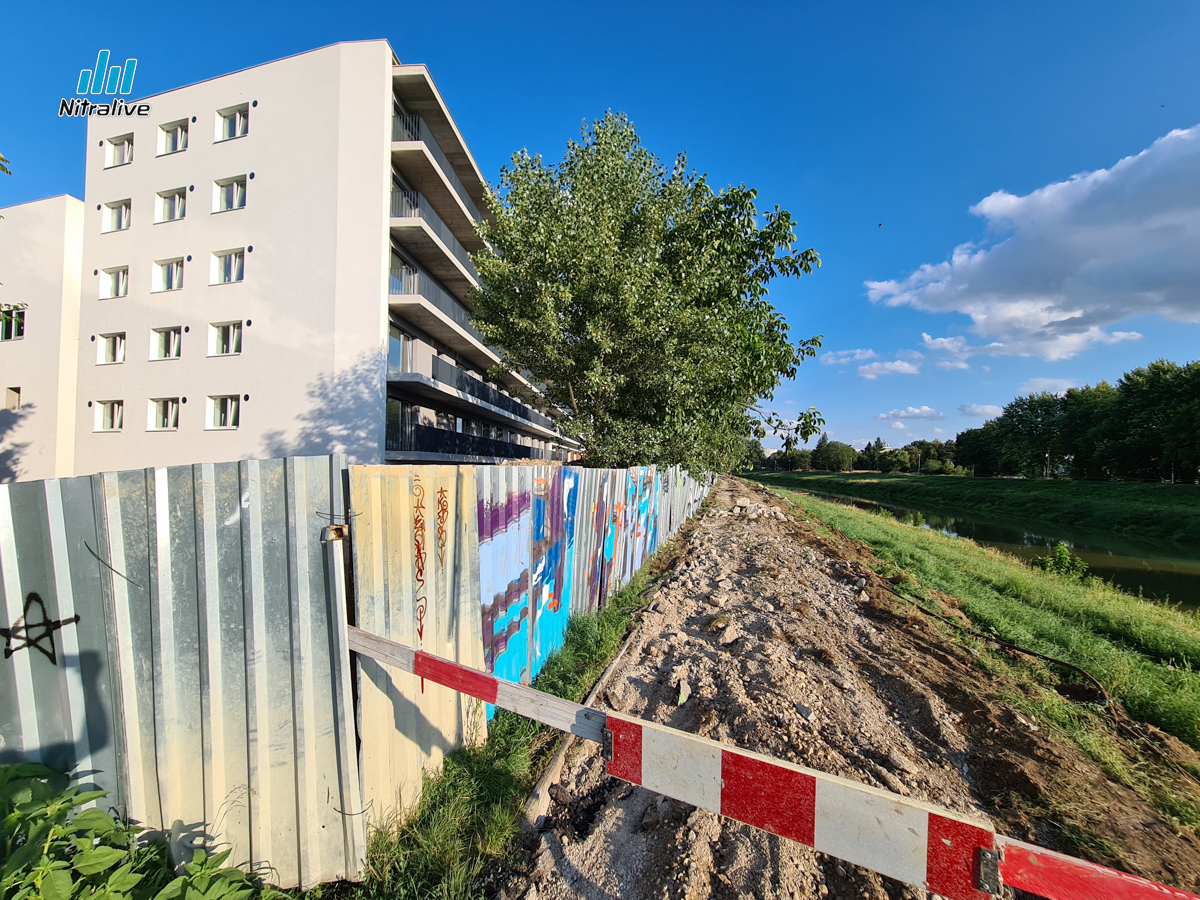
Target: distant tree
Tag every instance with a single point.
(833, 456)
(638, 296)
(753, 454)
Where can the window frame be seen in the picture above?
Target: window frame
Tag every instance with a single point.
(12, 321)
(214, 330)
(237, 182)
(236, 266)
(159, 282)
(238, 114)
(161, 206)
(153, 410)
(112, 216)
(214, 410)
(180, 126)
(110, 147)
(119, 344)
(118, 276)
(12, 398)
(114, 412)
(156, 336)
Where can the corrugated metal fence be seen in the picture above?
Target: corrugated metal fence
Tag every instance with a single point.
(177, 636)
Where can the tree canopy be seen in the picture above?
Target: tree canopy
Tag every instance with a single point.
(637, 297)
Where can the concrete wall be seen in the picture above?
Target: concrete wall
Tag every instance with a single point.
(314, 296)
(40, 247)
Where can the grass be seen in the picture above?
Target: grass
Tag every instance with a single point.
(470, 811)
(1146, 655)
(1153, 511)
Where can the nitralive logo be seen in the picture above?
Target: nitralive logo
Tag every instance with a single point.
(101, 80)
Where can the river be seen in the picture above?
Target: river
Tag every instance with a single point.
(1159, 569)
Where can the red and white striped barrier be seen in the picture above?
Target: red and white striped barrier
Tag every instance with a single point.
(935, 849)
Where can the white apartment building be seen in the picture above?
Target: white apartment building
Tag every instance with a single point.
(41, 246)
(275, 263)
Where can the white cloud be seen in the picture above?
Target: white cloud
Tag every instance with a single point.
(899, 426)
(980, 411)
(912, 412)
(1070, 260)
(873, 370)
(838, 357)
(938, 431)
(1053, 385)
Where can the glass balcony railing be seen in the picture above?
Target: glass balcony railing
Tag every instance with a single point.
(410, 204)
(462, 381)
(427, 439)
(406, 280)
(411, 127)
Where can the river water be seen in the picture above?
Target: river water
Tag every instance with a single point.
(1159, 569)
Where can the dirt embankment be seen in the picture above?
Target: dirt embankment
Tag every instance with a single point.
(771, 637)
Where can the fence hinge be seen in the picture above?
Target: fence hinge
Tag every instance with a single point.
(987, 871)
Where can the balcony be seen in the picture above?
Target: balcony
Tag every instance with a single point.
(415, 152)
(416, 441)
(418, 227)
(462, 381)
(425, 303)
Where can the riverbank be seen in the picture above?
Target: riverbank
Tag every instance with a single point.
(1151, 511)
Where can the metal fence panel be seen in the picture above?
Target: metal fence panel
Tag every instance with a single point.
(204, 684)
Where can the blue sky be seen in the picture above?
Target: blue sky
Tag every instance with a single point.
(879, 126)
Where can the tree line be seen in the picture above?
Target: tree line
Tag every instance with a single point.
(1146, 426)
(925, 457)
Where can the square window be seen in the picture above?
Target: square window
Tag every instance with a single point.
(172, 137)
(118, 151)
(223, 412)
(12, 324)
(229, 193)
(233, 122)
(110, 415)
(225, 339)
(114, 282)
(12, 398)
(163, 414)
(172, 205)
(168, 275)
(228, 267)
(166, 343)
(110, 349)
(116, 216)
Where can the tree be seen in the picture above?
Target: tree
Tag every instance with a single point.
(638, 297)
(833, 456)
(4, 168)
(753, 454)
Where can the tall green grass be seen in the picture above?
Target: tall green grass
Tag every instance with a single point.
(470, 811)
(1155, 511)
(1145, 654)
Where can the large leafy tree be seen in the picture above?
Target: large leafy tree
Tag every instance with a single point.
(637, 296)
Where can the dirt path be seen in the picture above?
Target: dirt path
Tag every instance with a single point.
(770, 637)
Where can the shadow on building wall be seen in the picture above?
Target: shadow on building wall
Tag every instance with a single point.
(11, 451)
(345, 415)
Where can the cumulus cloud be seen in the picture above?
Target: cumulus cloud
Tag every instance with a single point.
(1067, 262)
(838, 357)
(899, 426)
(1053, 385)
(873, 370)
(912, 412)
(977, 410)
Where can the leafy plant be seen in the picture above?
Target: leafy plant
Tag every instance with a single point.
(1061, 561)
(53, 850)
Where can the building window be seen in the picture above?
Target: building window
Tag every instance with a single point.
(114, 282)
(111, 349)
(118, 151)
(166, 343)
(399, 429)
(116, 216)
(225, 339)
(172, 205)
(229, 194)
(233, 122)
(400, 351)
(172, 137)
(110, 415)
(224, 412)
(12, 324)
(163, 414)
(168, 275)
(12, 398)
(228, 267)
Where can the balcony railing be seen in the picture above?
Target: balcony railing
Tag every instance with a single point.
(462, 381)
(427, 439)
(410, 204)
(407, 280)
(411, 127)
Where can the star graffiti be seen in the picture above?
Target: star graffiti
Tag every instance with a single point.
(36, 633)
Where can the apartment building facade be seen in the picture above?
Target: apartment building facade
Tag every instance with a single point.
(276, 262)
(41, 246)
